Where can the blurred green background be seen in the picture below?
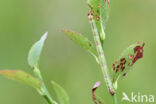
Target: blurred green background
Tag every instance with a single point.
(22, 22)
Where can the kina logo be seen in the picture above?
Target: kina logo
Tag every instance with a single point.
(137, 98)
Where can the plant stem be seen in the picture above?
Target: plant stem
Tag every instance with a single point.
(102, 59)
(43, 91)
(46, 95)
(115, 99)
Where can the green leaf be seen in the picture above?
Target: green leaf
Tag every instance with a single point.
(100, 13)
(22, 77)
(104, 14)
(82, 41)
(61, 93)
(95, 12)
(127, 59)
(35, 51)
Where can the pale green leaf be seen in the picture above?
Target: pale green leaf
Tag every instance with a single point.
(100, 10)
(127, 59)
(94, 5)
(104, 14)
(82, 41)
(61, 93)
(22, 77)
(35, 51)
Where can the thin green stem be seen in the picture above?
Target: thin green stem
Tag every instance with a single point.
(43, 91)
(102, 59)
(115, 99)
(46, 95)
(47, 98)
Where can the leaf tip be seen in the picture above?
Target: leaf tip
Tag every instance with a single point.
(66, 30)
(61, 93)
(97, 84)
(139, 51)
(35, 51)
(45, 35)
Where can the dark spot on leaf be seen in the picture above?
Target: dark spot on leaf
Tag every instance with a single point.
(118, 66)
(123, 60)
(117, 70)
(121, 64)
(129, 64)
(90, 15)
(138, 50)
(123, 68)
(111, 92)
(113, 66)
(97, 18)
(91, 12)
(124, 74)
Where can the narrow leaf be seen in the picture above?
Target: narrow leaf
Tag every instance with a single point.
(128, 58)
(104, 14)
(35, 51)
(61, 93)
(99, 13)
(82, 41)
(95, 14)
(22, 77)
